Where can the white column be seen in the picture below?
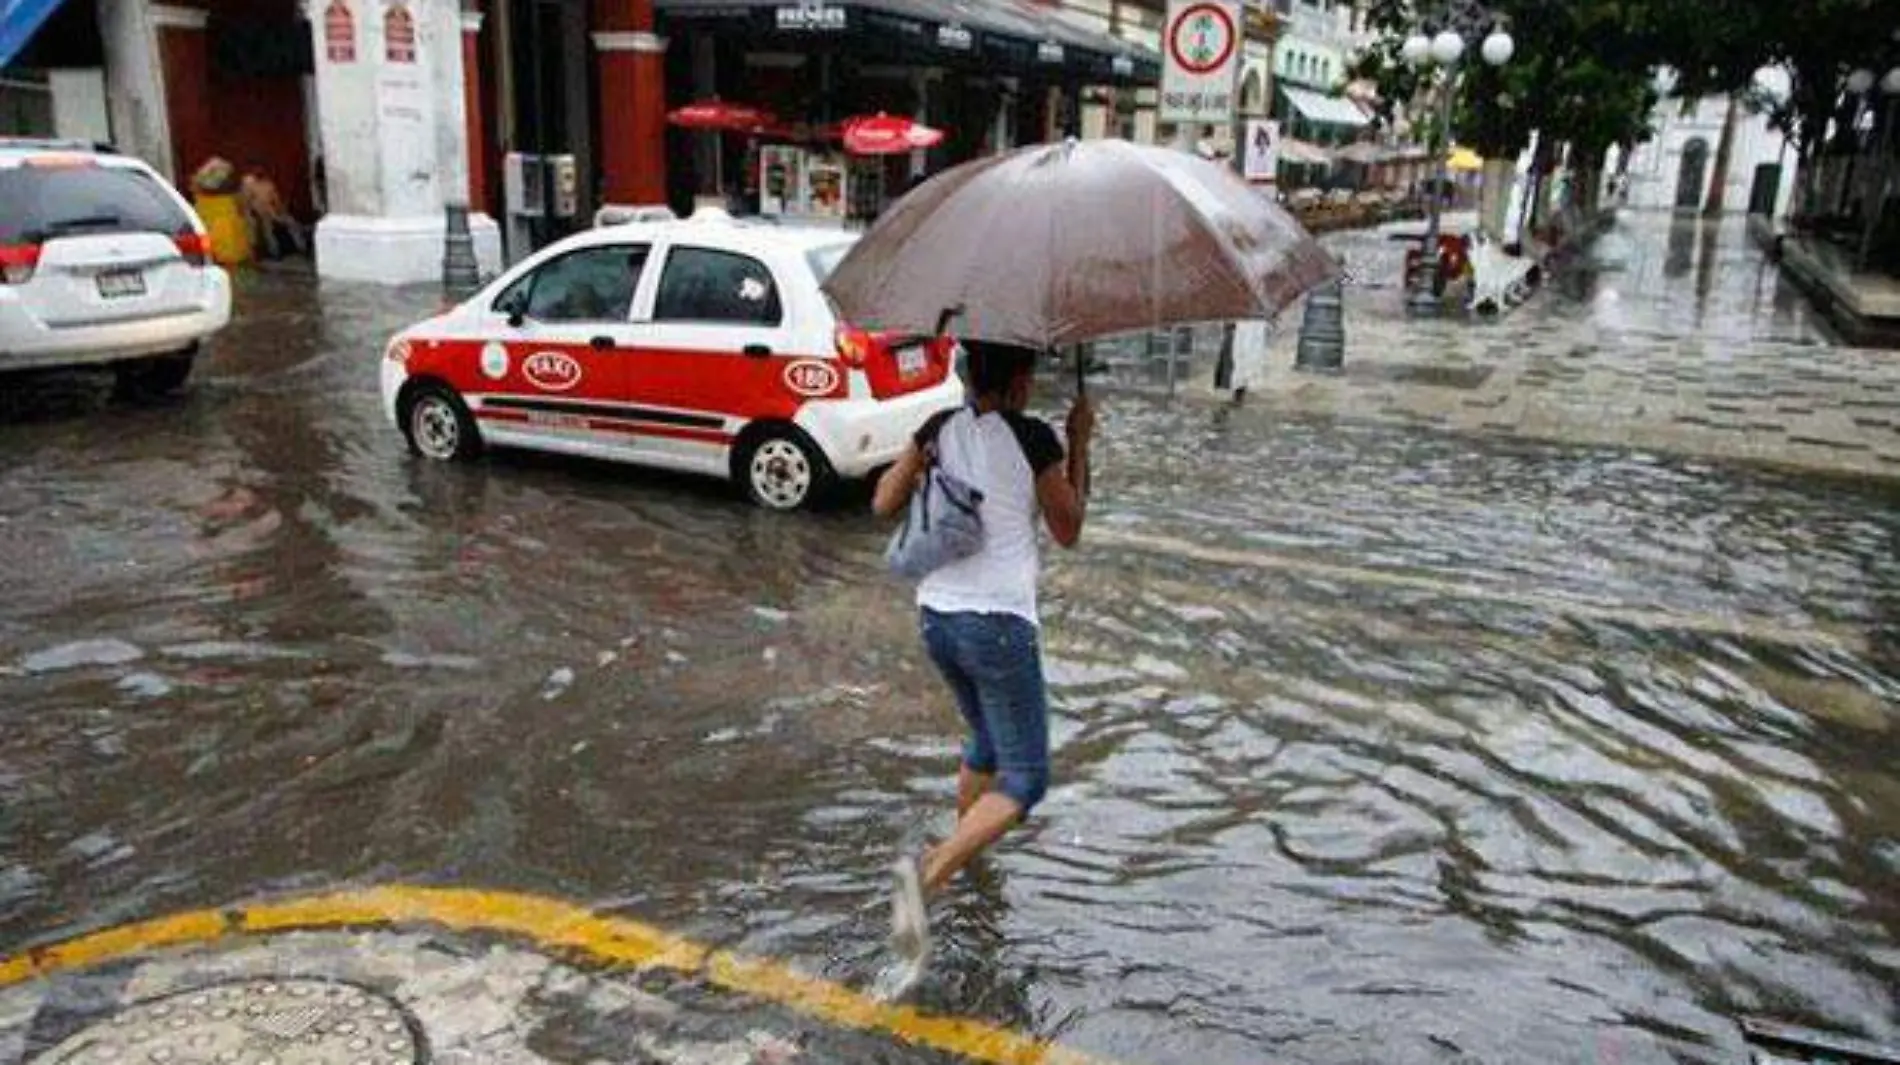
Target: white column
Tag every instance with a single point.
(920, 83)
(1147, 123)
(394, 143)
(135, 88)
(1094, 114)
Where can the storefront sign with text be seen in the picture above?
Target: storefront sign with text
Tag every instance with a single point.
(955, 38)
(808, 18)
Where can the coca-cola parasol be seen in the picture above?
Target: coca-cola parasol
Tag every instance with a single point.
(888, 135)
(721, 115)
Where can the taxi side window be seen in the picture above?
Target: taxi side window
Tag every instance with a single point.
(590, 285)
(702, 285)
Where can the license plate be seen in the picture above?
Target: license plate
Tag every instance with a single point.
(912, 361)
(117, 284)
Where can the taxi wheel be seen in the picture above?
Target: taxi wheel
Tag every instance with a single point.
(439, 427)
(783, 470)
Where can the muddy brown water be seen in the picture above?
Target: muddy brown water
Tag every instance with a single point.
(1370, 745)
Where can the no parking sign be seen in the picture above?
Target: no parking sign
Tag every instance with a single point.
(1201, 46)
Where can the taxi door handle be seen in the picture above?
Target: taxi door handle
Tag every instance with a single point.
(601, 343)
(758, 351)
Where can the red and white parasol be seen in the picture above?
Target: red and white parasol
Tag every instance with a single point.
(888, 135)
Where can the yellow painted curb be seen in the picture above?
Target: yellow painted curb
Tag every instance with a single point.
(556, 926)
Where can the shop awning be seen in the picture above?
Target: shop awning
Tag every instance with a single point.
(1010, 36)
(19, 21)
(1296, 152)
(1331, 110)
(1363, 153)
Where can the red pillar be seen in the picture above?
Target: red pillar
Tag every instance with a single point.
(477, 129)
(185, 60)
(632, 101)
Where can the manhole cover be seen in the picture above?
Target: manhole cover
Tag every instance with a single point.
(288, 1022)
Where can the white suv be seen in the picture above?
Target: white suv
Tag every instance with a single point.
(102, 263)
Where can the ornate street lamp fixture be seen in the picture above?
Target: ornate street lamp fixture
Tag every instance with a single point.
(1460, 19)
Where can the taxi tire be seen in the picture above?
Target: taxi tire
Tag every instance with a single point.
(788, 444)
(467, 444)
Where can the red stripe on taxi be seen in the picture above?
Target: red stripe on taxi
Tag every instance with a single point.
(608, 425)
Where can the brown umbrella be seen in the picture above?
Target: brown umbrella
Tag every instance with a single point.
(1061, 244)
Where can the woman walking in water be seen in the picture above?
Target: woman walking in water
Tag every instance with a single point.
(979, 613)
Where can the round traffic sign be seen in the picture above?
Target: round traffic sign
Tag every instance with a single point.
(1203, 38)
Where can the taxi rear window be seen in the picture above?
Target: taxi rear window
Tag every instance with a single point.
(825, 258)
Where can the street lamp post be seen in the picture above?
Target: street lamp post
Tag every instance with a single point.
(1460, 18)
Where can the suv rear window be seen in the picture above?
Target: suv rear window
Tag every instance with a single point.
(39, 203)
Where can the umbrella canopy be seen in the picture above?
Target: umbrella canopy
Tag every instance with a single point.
(1060, 244)
(887, 135)
(1464, 159)
(720, 115)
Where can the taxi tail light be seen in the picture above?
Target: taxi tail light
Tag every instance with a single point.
(855, 346)
(195, 247)
(17, 263)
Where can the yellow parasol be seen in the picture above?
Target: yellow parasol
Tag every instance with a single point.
(1464, 159)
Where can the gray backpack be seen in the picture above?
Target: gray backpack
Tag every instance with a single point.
(943, 525)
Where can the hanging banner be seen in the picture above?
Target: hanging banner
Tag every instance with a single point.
(1200, 60)
(1261, 160)
(339, 32)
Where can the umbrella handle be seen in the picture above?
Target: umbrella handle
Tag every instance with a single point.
(1081, 393)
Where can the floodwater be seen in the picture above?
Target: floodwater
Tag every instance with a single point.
(1370, 745)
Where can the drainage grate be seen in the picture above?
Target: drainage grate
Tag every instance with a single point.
(288, 1022)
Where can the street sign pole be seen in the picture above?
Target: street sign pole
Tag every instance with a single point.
(1200, 87)
(1237, 137)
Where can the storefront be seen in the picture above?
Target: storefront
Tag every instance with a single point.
(991, 74)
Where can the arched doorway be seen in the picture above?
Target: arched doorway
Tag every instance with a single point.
(1253, 94)
(1691, 174)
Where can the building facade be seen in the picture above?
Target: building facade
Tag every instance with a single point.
(1675, 169)
(374, 116)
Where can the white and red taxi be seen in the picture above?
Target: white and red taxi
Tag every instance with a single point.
(702, 346)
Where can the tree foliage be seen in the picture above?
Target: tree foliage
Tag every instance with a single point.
(1584, 70)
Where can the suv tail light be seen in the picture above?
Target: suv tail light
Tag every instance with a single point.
(195, 247)
(17, 262)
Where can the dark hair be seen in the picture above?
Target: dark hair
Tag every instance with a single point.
(994, 367)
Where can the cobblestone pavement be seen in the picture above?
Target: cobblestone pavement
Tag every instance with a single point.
(1673, 336)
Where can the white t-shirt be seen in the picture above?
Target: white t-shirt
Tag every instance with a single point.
(1000, 454)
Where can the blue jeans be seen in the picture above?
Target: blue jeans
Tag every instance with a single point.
(993, 664)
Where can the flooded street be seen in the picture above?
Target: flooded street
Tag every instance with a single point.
(1371, 744)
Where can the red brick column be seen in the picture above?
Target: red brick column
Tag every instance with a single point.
(185, 62)
(477, 130)
(632, 101)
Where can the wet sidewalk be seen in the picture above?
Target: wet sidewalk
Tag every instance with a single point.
(407, 975)
(1674, 337)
